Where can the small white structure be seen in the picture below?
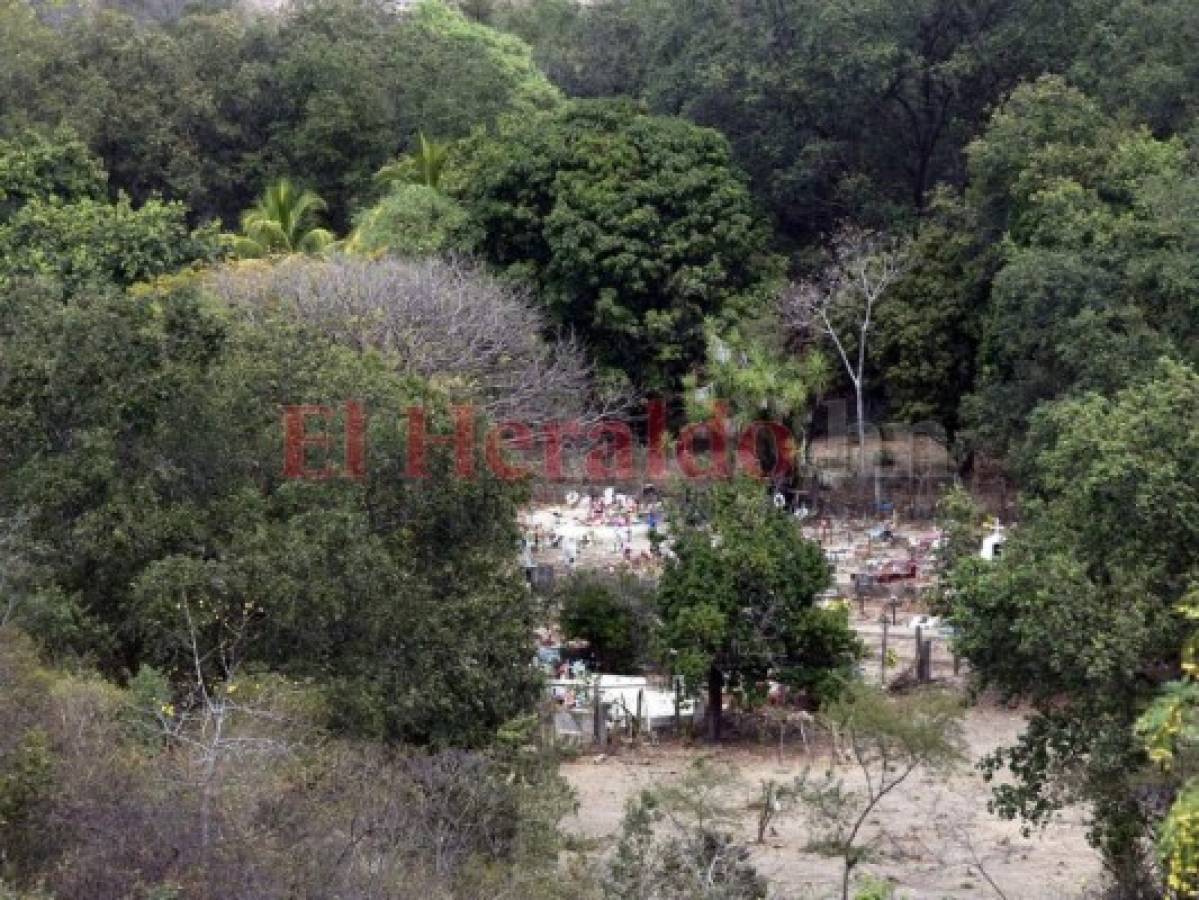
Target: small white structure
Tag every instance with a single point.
(570, 551)
(619, 695)
(931, 627)
(993, 544)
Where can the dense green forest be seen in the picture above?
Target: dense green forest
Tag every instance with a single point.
(546, 208)
(1037, 153)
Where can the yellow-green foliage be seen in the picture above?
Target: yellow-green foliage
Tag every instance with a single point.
(1178, 843)
(509, 57)
(1169, 729)
(413, 220)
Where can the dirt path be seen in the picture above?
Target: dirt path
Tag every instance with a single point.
(935, 832)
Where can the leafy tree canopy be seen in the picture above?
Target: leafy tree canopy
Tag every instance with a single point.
(1079, 615)
(34, 166)
(1098, 275)
(143, 453)
(89, 240)
(632, 227)
(412, 220)
(615, 615)
(55, 222)
(209, 108)
(928, 332)
(835, 113)
(1139, 58)
(738, 600)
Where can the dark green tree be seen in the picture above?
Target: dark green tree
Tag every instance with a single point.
(633, 228)
(1137, 59)
(1097, 275)
(143, 454)
(209, 107)
(928, 332)
(737, 600)
(615, 615)
(56, 223)
(855, 113)
(589, 50)
(1079, 616)
(36, 166)
(358, 81)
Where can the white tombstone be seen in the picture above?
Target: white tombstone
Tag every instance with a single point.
(992, 545)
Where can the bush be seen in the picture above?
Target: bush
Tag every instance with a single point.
(676, 843)
(614, 615)
(264, 804)
(412, 220)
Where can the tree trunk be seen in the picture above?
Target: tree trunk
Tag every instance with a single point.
(715, 702)
(857, 389)
(965, 467)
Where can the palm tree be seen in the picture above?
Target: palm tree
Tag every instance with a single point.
(283, 221)
(424, 166)
(752, 369)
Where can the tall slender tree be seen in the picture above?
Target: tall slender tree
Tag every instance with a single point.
(842, 304)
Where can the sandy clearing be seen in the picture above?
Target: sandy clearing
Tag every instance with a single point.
(933, 833)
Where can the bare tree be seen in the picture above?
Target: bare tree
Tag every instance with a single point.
(17, 569)
(841, 304)
(888, 739)
(445, 321)
(217, 731)
(9, 560)
(676, 841)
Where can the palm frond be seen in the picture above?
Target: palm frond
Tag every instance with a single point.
(284, 220)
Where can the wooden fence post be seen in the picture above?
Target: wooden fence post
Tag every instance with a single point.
(882, 678)
(924, 658)
(597, 715)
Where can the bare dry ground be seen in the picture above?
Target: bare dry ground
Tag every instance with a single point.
(936, 836)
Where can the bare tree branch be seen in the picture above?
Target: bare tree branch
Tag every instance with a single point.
(841, 303)
(17, 565)
(445, 321)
